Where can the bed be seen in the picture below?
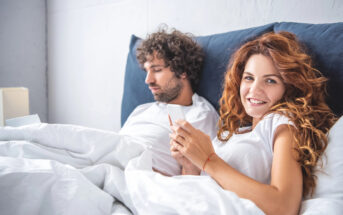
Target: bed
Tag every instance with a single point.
(322, 41)
(71, 173)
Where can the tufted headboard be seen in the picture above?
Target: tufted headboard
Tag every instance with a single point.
(323, 41)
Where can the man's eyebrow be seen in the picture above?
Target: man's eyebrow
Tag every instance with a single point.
(155, 66)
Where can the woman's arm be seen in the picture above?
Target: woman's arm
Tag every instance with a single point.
(282, 196)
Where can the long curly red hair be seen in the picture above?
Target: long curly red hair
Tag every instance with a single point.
(303, 102)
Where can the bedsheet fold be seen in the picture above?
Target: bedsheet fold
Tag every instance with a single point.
(65, 169)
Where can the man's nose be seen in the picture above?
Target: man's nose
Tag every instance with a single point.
(149, 78)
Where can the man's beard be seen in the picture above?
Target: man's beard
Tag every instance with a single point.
(170, 92)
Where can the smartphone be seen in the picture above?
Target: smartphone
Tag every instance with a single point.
(175, 112)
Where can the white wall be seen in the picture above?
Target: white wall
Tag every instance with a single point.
(23, 50)
(88, 43)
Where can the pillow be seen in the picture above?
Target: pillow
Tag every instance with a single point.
(330, 177)
(136, 92)
(218, 49)
(324, 43)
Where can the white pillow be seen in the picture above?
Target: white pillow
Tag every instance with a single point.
(330, 177)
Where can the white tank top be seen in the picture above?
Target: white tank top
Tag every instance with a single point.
(251, 153)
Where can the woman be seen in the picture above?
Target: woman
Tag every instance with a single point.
(272, 127)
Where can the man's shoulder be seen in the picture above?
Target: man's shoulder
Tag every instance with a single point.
(200, 104)
(201, 110)
(144, 106)
(203, 103)
(140, 110)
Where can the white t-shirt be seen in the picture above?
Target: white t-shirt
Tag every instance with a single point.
(251, 153)
(149, 125)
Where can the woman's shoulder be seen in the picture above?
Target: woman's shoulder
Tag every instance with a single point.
(274, 120)
(270, 122)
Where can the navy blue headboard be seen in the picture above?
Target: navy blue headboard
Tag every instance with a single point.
(324, 43)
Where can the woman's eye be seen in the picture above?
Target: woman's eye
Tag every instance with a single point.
(248, 78)
(271, 81)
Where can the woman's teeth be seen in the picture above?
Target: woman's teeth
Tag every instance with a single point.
(254, 101)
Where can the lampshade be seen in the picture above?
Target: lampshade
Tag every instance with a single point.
(14, 102)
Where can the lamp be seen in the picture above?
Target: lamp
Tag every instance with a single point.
(14, 102)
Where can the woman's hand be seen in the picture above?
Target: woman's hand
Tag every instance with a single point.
(191, 143)
(188, 168)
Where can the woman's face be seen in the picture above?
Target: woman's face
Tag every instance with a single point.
(261, 86)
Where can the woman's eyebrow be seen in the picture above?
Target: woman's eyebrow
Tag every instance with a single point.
(248, 73)
(276, 75)
(267, 75)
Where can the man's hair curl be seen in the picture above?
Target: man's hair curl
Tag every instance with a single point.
(178, 50)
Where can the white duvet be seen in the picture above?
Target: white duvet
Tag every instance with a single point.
(65, 169)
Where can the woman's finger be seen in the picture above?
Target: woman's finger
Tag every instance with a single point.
(181, 132)
(185, 125)
(170, 121)
(171, 141)
(173, 148)
(177, 138)
(178, 129)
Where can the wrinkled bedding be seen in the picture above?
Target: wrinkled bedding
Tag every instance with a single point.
(65, 169)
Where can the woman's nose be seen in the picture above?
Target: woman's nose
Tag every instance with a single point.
(256, 86)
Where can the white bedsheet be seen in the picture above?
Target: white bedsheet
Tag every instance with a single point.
(63, 169)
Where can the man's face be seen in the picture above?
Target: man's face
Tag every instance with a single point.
(163, 83)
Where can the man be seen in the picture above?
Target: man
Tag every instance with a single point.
(173, 63)
(66, 164)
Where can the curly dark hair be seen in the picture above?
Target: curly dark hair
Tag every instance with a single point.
(178, 50)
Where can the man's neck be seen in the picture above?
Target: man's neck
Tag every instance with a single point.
(184, 98)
